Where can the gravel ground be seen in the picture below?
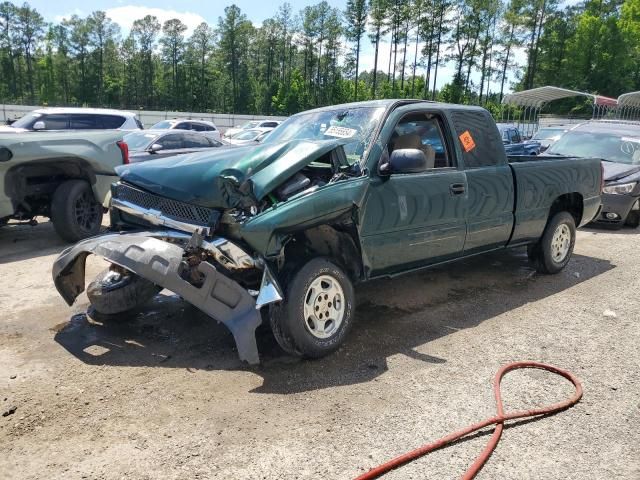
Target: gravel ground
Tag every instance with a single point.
(162, 394)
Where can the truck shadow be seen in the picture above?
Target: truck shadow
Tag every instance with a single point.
(21, 241)
(393, 317)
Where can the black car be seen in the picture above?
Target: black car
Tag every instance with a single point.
(617, 143)
(153, 144)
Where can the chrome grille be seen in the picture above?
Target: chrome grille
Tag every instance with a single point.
(182, 211)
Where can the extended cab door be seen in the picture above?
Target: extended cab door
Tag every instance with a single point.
(410, 220)
(489, 178)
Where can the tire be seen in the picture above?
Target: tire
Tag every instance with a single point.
(553, 252)
(75, 213)
(112, 292)
(314, 336)
(633, 219)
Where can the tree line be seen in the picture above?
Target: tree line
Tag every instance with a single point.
(298, 60)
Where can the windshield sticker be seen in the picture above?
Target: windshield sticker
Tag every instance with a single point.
(467, 141)
(340, 132)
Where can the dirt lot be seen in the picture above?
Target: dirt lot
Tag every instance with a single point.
(162, 394)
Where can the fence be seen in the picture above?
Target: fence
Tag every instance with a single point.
(149, 117)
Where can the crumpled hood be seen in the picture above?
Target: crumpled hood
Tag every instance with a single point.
(620, 172)
(229, 177)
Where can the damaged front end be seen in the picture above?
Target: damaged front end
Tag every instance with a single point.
(205, 272)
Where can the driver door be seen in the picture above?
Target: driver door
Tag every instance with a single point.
(410, 220)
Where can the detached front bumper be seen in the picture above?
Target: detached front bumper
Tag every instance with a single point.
(616, 209)
(157, 257)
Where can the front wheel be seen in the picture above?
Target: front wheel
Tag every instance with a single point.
(633, 219)
(553, 252)
(113, 291)
(317, 313)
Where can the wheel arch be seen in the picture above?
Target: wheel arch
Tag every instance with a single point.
(338, 242)
(40, 178)
(568, 202)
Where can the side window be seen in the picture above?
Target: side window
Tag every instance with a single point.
(269, 124)
(197, 127)
(183, 126)
(483, 146)
(422, 131)
(55, 122)
(193, 140)
(84, 122)
(210, 128)
(172, 141)
(505, 136)
(515, 136)
(112, 121)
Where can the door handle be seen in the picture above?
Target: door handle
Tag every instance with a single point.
(457, 188)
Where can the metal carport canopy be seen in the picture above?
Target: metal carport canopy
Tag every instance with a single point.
(537, 97)
(630, 99)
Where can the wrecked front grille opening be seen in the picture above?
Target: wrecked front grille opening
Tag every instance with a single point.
(248, 278)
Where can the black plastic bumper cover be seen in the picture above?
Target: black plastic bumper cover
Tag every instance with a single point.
(159, 262)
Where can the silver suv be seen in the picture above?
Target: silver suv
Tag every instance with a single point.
(74, 119)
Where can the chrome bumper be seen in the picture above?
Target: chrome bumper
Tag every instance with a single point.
(155, 257)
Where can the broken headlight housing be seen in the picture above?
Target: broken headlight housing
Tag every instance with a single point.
(622, 189)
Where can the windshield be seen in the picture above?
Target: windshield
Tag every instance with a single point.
(162, 125)
(27, 121)
(356, 124)
(248, 125)
(547, 133)
(139, 140)
(611, 147)
(248, 135)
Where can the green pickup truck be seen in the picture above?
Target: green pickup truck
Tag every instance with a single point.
(283, 230)
(63, 175)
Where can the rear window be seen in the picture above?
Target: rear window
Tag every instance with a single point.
(269, 124)
(485, 148)
(111, 121)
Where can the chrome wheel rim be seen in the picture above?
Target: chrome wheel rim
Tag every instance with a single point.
(324, 307)
(560, 243)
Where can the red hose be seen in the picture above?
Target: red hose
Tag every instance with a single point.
(498, 420)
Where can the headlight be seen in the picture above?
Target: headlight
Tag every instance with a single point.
(622, 189)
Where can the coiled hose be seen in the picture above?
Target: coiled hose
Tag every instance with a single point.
(498, 420)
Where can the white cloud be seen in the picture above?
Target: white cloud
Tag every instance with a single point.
(126, 15)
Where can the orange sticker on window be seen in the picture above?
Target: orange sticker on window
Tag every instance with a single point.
(467, 141)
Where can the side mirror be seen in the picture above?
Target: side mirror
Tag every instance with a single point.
(156, 147)
(405, 160)
(39, 125)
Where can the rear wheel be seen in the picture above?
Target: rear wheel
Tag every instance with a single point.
(75, 213)
(114, 291)
(317, 313)
(553, 252)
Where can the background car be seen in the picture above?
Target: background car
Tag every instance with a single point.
(513, 142)
(254, 135)
(154, 144)
(74, 119)
(617, 143)
(230, 132)
(547, 136)
(203, 126)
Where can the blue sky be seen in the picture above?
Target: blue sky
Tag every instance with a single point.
(193, 12)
